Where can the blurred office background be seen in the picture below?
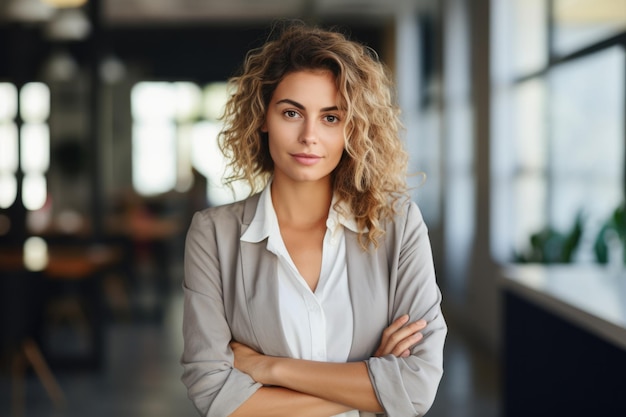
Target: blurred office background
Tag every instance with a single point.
(514, 109)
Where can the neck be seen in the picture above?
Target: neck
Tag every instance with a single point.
(301, 204)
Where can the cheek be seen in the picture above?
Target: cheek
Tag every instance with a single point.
(339, 146)
(337, 152)
(270, 146)
(275, 144)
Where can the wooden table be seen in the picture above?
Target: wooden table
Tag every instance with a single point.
(65, 262)
(78, 268)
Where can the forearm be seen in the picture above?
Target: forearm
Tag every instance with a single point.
(279, 402)
(343, 383)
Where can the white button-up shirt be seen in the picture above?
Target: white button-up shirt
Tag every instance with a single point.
(318, 325)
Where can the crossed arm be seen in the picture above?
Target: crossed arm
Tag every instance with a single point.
(318, 388)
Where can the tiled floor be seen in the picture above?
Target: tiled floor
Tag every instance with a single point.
(471, 383)
(142, 377)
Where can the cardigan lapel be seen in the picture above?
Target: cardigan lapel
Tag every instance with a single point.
(260, 281)
(368, 288)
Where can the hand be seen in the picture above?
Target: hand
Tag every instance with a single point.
(399, 337)
(251, 362)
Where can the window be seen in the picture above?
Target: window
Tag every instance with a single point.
(558, 120)
(8, 145)
(30, 149)
(586, 131)
(459, 190)
(175, 129)
(580, 23)
(34, 143)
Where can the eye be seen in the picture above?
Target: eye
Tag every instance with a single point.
(291, 114)
(331, 118)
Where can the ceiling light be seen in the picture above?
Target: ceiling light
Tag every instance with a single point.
(68, 25)
(60, 66)
(65, 3)
(29, 11)
(112, 70)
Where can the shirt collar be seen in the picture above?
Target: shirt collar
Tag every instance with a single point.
(264, 219)
(265, 223)
(342, 217)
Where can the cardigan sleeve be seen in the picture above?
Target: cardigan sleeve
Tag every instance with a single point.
(213, 384)
(407, 386)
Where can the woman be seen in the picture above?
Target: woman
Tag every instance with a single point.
(315, 296)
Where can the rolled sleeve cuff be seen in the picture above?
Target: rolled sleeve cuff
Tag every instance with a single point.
(237, 388)
(386, 376)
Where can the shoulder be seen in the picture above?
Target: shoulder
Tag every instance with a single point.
(406, 227)
(408, 215)
(225, 223)
(239, 212)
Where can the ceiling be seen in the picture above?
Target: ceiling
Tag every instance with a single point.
(179, 39)
(137, 12)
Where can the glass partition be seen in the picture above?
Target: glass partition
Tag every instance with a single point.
(529, 50)
(587, 131)
(579, 23)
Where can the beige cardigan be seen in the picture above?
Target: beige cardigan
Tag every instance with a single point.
(231, 292)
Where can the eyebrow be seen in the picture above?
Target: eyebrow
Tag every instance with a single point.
(301, 107)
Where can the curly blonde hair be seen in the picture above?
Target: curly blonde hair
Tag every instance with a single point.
(371, 176)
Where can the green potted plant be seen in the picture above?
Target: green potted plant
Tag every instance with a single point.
(551, 246)
(613, 230)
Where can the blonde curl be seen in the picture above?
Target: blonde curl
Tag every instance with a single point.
(371, 176)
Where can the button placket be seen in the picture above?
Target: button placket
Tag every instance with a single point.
(318, 328)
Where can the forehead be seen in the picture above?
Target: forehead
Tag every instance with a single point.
(309, 85)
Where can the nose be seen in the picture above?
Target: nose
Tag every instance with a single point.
(308, 134)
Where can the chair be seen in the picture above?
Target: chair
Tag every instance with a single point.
(21, 304)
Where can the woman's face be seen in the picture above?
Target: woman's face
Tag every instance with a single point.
(305, 127)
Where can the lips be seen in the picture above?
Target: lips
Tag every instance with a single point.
(306, 158)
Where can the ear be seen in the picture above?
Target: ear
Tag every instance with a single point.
(264, 127)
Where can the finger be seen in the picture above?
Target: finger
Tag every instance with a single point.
(395, 333)
(392, 329)
(405, 332)
(414, 327)
(388, 332)
(395, 326)
(419, 324)
(400, 339)
(403, 348)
